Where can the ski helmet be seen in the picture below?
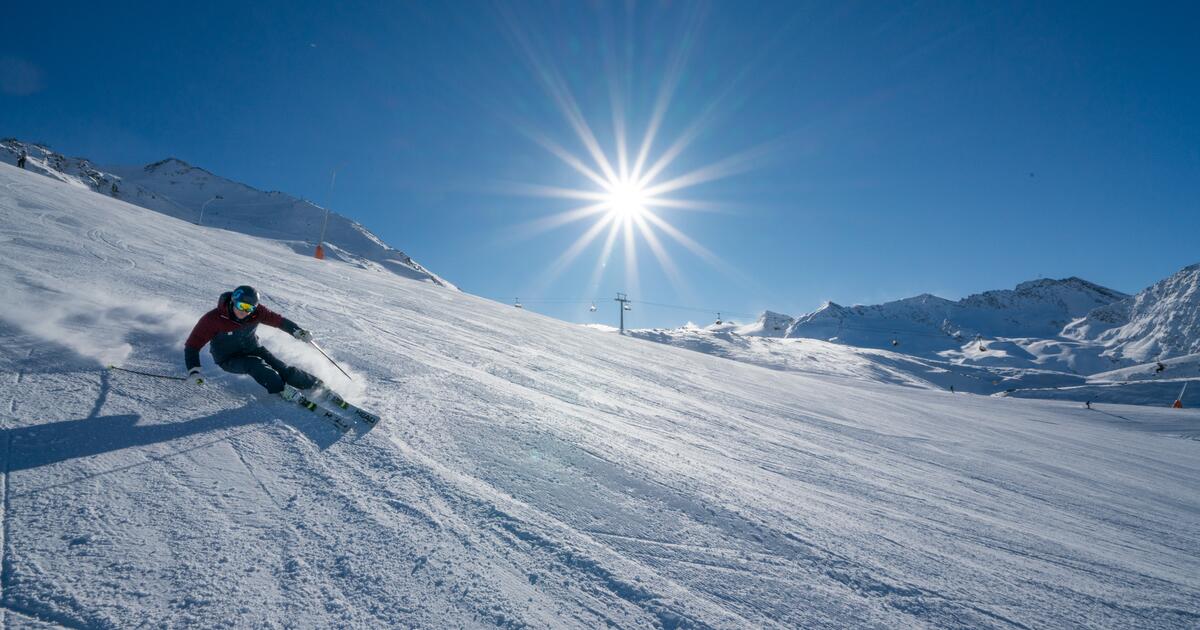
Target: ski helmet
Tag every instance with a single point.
(244, 295)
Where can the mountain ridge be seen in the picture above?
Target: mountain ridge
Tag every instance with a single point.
(933, 327)
(177, 188)
(1161, 321)
(1045, 336)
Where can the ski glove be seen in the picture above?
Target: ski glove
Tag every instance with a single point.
(195, 377)
(302, 335)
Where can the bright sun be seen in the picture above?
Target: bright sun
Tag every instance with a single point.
(625, 200)
(627, 190)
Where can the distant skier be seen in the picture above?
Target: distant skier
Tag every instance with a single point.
(231, 327)
(1159, 368)
(1088, 404)
(21, 159)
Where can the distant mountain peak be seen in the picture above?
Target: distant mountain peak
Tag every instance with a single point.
(171, 163)
(769, 324)
(931, 324)
(1073, 282)
(1161, 321)
(922, 299)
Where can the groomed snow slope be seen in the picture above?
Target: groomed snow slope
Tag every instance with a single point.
(529, 472)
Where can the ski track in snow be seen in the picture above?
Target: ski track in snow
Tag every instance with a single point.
(527, 472)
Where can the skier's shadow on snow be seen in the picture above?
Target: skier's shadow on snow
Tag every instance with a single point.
(1111, 414)
(48, 443)
(55, 442)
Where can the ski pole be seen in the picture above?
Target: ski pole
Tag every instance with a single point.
(314, 344)
(166, 376)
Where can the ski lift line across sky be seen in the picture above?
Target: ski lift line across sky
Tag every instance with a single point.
(693, 308)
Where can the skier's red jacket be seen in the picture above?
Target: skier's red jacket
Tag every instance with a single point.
(230, 337)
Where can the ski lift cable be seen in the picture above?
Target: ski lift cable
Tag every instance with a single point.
(549, 301)
(693, 308)
(536, 300)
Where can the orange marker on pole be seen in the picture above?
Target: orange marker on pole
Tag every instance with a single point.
(320, 253)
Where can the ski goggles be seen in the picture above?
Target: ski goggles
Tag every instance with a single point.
(244, 307)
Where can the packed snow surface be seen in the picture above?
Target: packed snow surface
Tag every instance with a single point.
(528, 472)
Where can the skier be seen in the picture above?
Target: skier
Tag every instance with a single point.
(1088, 404)
(21, 159)
(231, 327)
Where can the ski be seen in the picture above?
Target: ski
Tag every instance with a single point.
(336, 420)
(330, 397)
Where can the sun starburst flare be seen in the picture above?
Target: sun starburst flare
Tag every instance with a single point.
(626, 200)
(625, 193)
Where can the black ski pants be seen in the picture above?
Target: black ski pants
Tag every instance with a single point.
(269, 371)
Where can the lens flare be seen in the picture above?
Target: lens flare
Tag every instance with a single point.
(624, 191)
(626, 201)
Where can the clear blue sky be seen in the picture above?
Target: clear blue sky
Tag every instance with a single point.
(893, 148)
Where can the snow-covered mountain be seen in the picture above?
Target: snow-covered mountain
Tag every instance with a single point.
(181, 190)
(73, 171)
(1160, 322)
(1011, 342)
(927, 323)
(815, 356)
(528, 472)
(769, 324)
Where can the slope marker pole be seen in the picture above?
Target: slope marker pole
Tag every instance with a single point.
(320, 253)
